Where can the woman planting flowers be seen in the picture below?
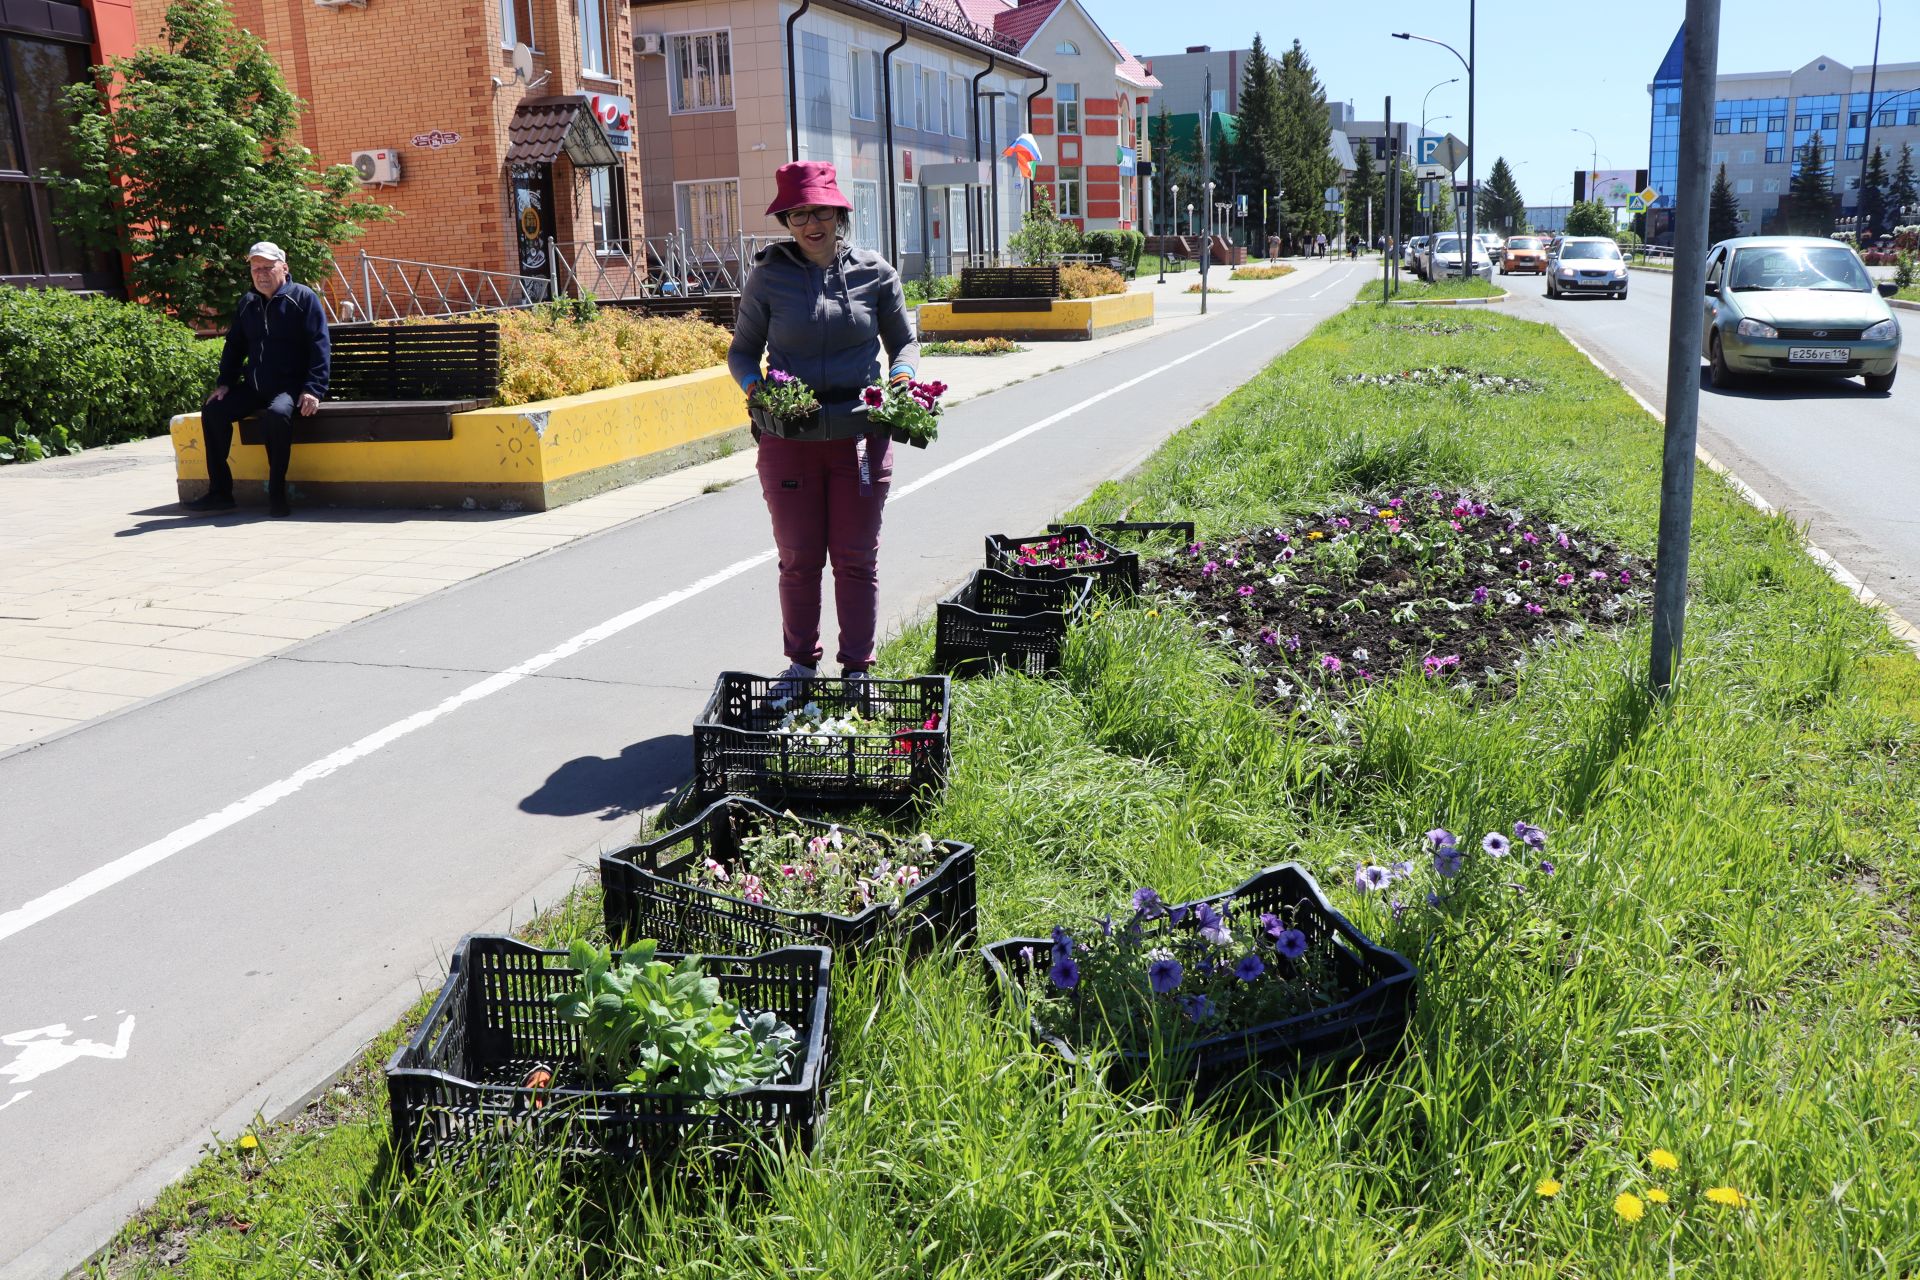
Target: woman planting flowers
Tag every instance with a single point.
(820, 311)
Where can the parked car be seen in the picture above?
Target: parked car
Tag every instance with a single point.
(1492, 241)
(1447, 257)
(1797, 306)
(1524, 253)
(1413, 252)
(1587, 264)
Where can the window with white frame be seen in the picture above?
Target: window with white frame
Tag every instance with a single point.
(866, 215)
(607, 203)
(709, 212)
(1771, 185)
(1067, 48)
(931, 99)
(1743, 187)
(863, 68)
(593, 39)
(1746, 157)
(904, 79)
(1066, 109)
(1069, 194)
(702, 73)
(516, 24)
(962, 106)
(908, 200)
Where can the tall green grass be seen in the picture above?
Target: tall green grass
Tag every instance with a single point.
(1723, 964)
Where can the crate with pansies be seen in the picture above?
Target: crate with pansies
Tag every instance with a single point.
(823, 741)
(1068, 551)
(742, 878)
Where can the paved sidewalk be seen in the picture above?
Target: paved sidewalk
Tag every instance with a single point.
(114, 595)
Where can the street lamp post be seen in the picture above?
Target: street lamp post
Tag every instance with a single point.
(1206, 250)
(1866, 139)
(1173, 206)
(1467, 62)
(1596, 148)
(1427, 225)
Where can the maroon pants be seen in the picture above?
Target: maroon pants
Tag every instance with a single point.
(812, 488)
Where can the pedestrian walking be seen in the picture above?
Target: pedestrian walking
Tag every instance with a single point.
(822, 311)
(275, 364)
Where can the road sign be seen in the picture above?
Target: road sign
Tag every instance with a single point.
(1636, 203)
(1430, 172)
(1331, 195)
(1331, 206)
(1650, 195)
(1445, 150)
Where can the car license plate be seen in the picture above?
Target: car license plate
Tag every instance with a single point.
(1818, 355)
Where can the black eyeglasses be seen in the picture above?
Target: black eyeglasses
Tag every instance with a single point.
(818, 215)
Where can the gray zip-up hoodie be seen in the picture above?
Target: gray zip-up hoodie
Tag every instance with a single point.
(825, 326)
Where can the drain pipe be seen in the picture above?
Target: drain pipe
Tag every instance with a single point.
(892, 198)
(973, 189)
(1045, 80)
(793, 84)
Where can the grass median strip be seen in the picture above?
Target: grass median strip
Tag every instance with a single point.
(1414, 289)
(1690, 1050)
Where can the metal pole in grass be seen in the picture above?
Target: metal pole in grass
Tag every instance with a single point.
(1699, 58)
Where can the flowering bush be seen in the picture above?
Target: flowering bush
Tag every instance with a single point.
(1450, 587)
(1455, 880)
(546, 354)
(1440, 376)
(1171, 971)
(839, 871)
(785, 397)
(911, 409)
(1090, 282)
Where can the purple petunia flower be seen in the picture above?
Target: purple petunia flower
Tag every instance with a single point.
(1176, 914)
(1330, 662)
(780, 375)
(1066, 974)
(1398, 908)
(1286, 553)
(1248, 967)
(1478, 509)
(1106, 925)
(1343, 522)
(1026, 954)
(1528, 834)
(1271, 924)
(1164, 975)
(1524, 565)
(1369, 878)
(1625, 577)
(1212, 925)
(1268, 637)
(1598, 575)
(1446, 862)
(1534, 609)
(1279, 536)
(1210, 568)
(1530, 539)
(1565, 580)
(1292, 643)
(1433, 899)
(1440, 836)
(1546, 866)
(1148, 903)
(1564, 542)
(1479, 595)
(1496, 844)
(1244, 590)
(873, 397)
(1195, 548)
(1198, 1008)
(1400, 870)
(1290, 943)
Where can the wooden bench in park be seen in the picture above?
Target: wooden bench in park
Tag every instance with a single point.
(1006, 289)
(399, 382)
(722, 309)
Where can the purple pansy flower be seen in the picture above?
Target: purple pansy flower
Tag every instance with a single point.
(1370, 877)
(1495, 844)
(1479, 595)
(1164, 975)
(1248, 967)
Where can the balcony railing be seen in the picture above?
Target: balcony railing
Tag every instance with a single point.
(937, 13)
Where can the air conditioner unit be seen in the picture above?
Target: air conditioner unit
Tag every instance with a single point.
(380, 166)
(648, 44)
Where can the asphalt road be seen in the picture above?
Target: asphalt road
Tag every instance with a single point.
(1842, 460)
(209, 902)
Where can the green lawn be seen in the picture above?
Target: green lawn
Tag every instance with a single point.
(1414, 289)
(1150, 265)
(1909, 294)
(1723, 966)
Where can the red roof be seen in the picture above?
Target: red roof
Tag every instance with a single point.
(984, 12)
(1131, 70)
(1021, 23)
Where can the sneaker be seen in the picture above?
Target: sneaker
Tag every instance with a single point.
(211, 502)
(790, 686)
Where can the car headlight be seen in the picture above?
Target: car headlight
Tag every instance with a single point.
(1885, 331)
(1620, 273)
(1755, 329)
(1566, 271)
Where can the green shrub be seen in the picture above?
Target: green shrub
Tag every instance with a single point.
(76, 372)
(1906, 271)
(1079, 281)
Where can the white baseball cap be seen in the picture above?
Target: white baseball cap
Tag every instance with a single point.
(269, 250)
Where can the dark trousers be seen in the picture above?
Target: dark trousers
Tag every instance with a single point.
(275, 416)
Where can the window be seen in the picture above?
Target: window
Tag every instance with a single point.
(1670, 108)
(957, 218)
(1775, 154)
(32, 74)
(1746, 157)
(1723, 126)
(1771, 186)
(929, 100)
(516, 24)
(866, 214)
(1776, 123)
(907, 200)
(944, 113)
(709, 212)
(593, 39)
(702, 72)
(1855, 150)
(1831, 120)
(864, 76)
(1715, 262)
(1068, 194)
(1719, 157)
(607, 199)
(1857, 120)
(903, 81)
(1743, 187)
(1067, 47)
(1885, 119)
(1803, 122)
(960, 97)
(816, 94)
(1219, 100)
(1066, 109)
(1913, 115)
(1750, 124)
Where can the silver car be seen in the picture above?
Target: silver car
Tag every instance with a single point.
(1796, 306)
(1586, 264)
(1446, 258)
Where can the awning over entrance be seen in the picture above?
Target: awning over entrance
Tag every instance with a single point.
(544, 128)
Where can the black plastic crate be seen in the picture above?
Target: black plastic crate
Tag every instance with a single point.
(997, 619)
(1368, 1020)
(458, 1087)
(648, 894)
(736, 750)
(1116, 573)
(1183, 531)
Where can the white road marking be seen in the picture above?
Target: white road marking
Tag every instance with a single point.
(128, 865)
(1344, 276)
(44, 1049)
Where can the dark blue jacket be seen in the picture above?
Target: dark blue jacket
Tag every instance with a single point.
(278, 344)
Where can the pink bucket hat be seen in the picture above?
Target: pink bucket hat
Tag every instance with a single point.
(805, 182)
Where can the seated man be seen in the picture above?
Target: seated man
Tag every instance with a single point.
(276, 360)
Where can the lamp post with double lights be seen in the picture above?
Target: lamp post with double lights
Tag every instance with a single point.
(1467, 62)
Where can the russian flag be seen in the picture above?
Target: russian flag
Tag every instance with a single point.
(1025, 152)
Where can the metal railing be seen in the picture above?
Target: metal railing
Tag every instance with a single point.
(653, 266)
(951, 20)
(373, 288)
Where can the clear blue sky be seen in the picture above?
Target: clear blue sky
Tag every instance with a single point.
(1528, 105)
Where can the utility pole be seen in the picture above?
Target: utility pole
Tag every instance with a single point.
(1391, 213)
(1866, 141)
(1206, 177)
(1700, 58)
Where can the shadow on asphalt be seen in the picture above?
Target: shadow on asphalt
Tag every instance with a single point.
(1793, 389)
(170, 516)
(646, 773)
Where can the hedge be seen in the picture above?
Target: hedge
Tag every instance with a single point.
(567, 348)
(1124, 245)
(79, 371)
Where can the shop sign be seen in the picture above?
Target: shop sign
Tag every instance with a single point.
(436, 138)
(615, 115)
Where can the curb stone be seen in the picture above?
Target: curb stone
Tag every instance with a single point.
(1903, 630)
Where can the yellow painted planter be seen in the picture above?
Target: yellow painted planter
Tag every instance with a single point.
(527, 457)
(1065, 320)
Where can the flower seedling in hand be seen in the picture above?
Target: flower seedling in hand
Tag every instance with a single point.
(910, 409)
(785, 397)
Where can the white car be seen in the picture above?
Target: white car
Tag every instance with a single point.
(1446, 257)
(1491, 241)
(1586, 264)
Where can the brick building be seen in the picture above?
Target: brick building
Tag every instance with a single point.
(492, 167)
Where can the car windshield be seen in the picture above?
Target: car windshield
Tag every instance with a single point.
(1833, 268)
(1447, 244)
(1589, 249)
(1523, 242)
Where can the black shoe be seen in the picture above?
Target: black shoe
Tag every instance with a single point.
(277, 506)
(211, 502)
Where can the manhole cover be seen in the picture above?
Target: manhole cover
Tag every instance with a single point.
(69, 468)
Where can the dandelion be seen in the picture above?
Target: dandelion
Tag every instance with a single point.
(1370, 877)
(1065, 974)
(1727, 1196)
(1315, 536)
(248, 1142)
(1153, 613)
(1547, 1188)
(1248, 967)
(1629, 1206)
(1387, 513)
(1656, 1196)
(1291, 943)
(1164, 974)
(1496, 844)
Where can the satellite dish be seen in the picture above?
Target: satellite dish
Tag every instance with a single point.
(522, 62)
